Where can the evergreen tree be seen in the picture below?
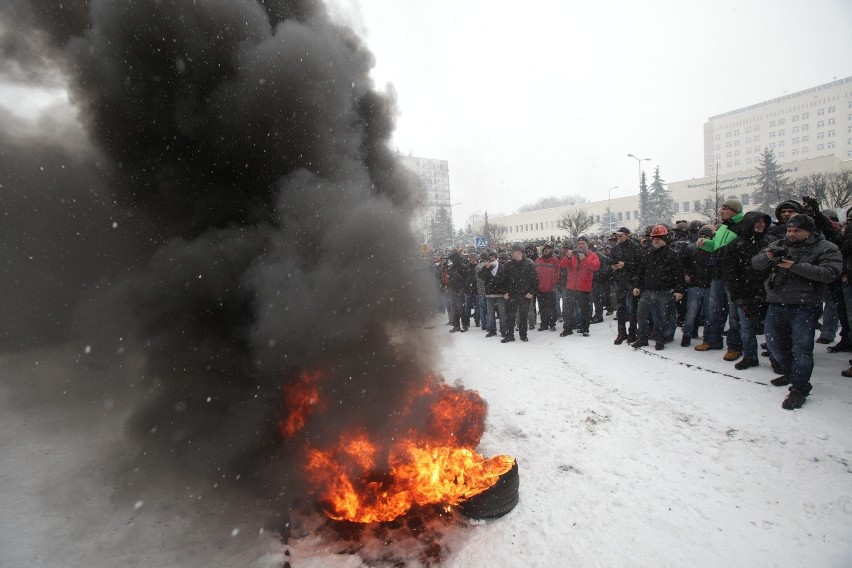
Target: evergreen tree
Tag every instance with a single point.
(442, 230)
(660, 202)
(644, 203)
(772, 186)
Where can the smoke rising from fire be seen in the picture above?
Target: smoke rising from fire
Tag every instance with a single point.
(225, 201)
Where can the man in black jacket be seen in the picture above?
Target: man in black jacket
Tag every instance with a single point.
(697, 275)
(458, 286)
(745, 284)
(519, 284)
(658, 284)
(626, 256)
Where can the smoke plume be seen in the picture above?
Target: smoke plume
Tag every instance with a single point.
(223, 200)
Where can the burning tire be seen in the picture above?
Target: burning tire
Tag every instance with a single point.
(495, 501)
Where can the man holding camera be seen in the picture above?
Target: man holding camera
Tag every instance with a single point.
(802, 264)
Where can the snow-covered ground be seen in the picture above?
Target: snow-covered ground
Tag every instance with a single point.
(627, 458)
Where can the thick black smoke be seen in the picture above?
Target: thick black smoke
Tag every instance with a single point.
(226, 202)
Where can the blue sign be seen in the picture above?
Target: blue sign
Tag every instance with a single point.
(480, 242)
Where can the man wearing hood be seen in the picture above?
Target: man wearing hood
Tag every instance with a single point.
(783, 212)
(458, 285)
(801, 265)
(745, 284)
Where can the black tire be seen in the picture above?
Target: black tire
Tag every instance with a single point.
(495, 501)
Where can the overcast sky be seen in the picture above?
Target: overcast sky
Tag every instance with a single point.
(547, 98)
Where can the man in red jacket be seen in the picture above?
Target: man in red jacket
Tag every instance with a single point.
(580, 266)
(547, 270)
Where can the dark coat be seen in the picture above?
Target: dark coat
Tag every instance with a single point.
(743, 281)
(458, 273)
(660, 270)
(630, 253)
(519, 278)
(493, 282)
(696, 264)
(816, 263)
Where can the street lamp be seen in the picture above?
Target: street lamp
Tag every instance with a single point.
(609, 208)
(639, 161)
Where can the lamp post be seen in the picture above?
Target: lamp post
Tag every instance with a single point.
(609, 208)
(641, 205)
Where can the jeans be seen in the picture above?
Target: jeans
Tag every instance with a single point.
(714, 317)
(696, 299)
(734, 341)
(830, 319)
(519, 305)
(748, 329)
(659, 305)
(790, 337)
(577, 299)
(627, 307)
(482, 310)
(496, 306)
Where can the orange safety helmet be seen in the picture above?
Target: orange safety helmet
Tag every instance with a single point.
(659, 231)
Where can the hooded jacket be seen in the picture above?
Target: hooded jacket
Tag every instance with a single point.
(458, 273)
(744, 282)
(661, 269)
(519, 278)
(816, 262)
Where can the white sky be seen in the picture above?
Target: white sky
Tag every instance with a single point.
(549, 98)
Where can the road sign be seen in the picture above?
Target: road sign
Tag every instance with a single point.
(480, 242)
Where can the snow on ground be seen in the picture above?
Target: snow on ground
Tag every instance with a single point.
(627, 458)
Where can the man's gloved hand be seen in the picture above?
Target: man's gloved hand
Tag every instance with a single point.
(811, 205)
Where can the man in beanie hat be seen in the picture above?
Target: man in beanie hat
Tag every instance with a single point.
(801, 265)
(730, 213)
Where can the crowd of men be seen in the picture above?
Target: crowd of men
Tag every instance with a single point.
(785, 279)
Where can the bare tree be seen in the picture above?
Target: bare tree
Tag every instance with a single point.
(575, 222)
(497, 234)
(838, 190)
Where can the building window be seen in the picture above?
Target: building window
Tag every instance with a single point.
(831, 109)
(795, 118)
(756, 127)
(831, 121)
(821, 112)
(830, 145)
(780, 155)
(619, 216)
(796, 152)
(757, 138)
(820, 123)
(805, 127)
(748, 160)
(772, 124)
(627, 215)
(745, 199)
(772, 134)
(686, 206)
(718, 146)
(748, 130)
(727, 145)
(780, 121)
(697, 204)
(831, 133)
(820, 135)
(795, 140)
(805, 150)
(717, 137)
(780, 143)
(736, 162)
(820, 147)
(805, 138)
(635, 214)
(676, 207)
(781, 132)
(795, 129)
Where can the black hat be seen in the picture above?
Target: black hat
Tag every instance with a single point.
(624, 230)
(518, 246)
(583, 238)
(503, 255)
(801, 221)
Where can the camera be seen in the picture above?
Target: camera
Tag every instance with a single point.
(779, 253)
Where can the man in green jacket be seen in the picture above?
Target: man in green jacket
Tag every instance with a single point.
(730, 213)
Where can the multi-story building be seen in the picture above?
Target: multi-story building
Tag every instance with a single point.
(434, 176)
(809, 132)
(807, 124)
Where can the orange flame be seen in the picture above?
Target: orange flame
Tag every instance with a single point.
(435, 464)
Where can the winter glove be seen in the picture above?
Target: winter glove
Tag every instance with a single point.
(811, 205)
